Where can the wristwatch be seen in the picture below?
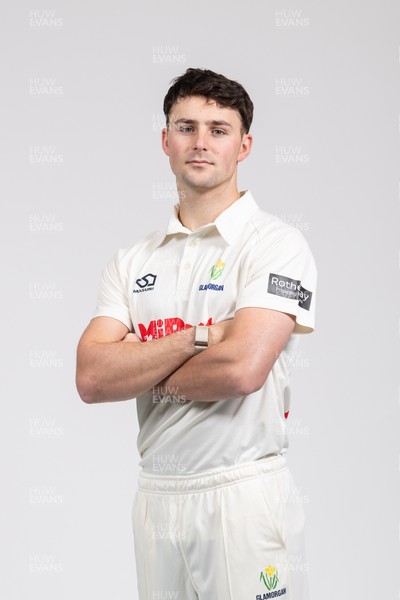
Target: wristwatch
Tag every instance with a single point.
(200, 338)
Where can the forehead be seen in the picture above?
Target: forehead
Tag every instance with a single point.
(199, 108)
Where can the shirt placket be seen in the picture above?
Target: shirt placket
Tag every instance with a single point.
(186, 266)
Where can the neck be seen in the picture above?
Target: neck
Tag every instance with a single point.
(199, 207)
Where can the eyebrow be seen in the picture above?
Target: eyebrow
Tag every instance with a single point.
(213, 122)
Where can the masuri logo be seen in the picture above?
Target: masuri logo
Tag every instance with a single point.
(216, 270)
(270, 577)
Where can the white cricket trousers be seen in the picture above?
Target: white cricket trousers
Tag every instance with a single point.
(235, 533)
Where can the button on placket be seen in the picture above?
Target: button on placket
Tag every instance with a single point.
(186, 265)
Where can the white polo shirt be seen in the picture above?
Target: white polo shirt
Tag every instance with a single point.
(175, 278)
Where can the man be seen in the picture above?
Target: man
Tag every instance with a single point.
(213, 305)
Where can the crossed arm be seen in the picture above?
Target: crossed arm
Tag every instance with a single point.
(241, 354)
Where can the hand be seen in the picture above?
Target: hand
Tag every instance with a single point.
(219, 332)
(131, 337)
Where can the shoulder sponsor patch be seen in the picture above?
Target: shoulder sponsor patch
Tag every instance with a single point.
(289, 288)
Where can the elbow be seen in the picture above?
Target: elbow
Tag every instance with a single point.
(86, 389)
(84, 382)
(247, 379)
(87, 378)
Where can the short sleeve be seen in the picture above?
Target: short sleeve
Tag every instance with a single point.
(112, 298)
(282, 276)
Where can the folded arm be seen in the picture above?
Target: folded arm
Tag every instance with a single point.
(240, 363)
(110, 369)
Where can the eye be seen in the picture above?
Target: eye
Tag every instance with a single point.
(219, 132)
(185, 128)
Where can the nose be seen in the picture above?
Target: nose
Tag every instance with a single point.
(199, 141)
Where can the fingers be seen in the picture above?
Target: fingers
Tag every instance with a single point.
(221, 330)
(131, 337)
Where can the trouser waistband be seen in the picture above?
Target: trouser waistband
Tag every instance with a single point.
(207, 480)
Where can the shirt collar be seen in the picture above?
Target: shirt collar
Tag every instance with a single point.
(229, 223)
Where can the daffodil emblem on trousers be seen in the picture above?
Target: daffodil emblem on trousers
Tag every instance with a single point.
(270, 577)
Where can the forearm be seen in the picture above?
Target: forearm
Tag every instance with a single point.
(214, 374)
(119, 370)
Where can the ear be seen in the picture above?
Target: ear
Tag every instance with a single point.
(164, 140)
(245, 149)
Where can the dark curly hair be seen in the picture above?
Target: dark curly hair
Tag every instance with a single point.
(213, 86)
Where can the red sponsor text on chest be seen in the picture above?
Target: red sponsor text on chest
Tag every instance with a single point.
(161, 327)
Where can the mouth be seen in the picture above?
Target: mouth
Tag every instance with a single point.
(199, 162)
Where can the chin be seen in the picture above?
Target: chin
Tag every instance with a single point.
(198, 183)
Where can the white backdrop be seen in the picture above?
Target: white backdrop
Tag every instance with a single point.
(83, 173)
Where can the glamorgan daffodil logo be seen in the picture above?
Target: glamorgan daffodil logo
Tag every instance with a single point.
(216, 270)
(270, 577)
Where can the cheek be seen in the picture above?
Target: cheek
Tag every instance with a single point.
(175, 152)
(176, 157)
(229, 156)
